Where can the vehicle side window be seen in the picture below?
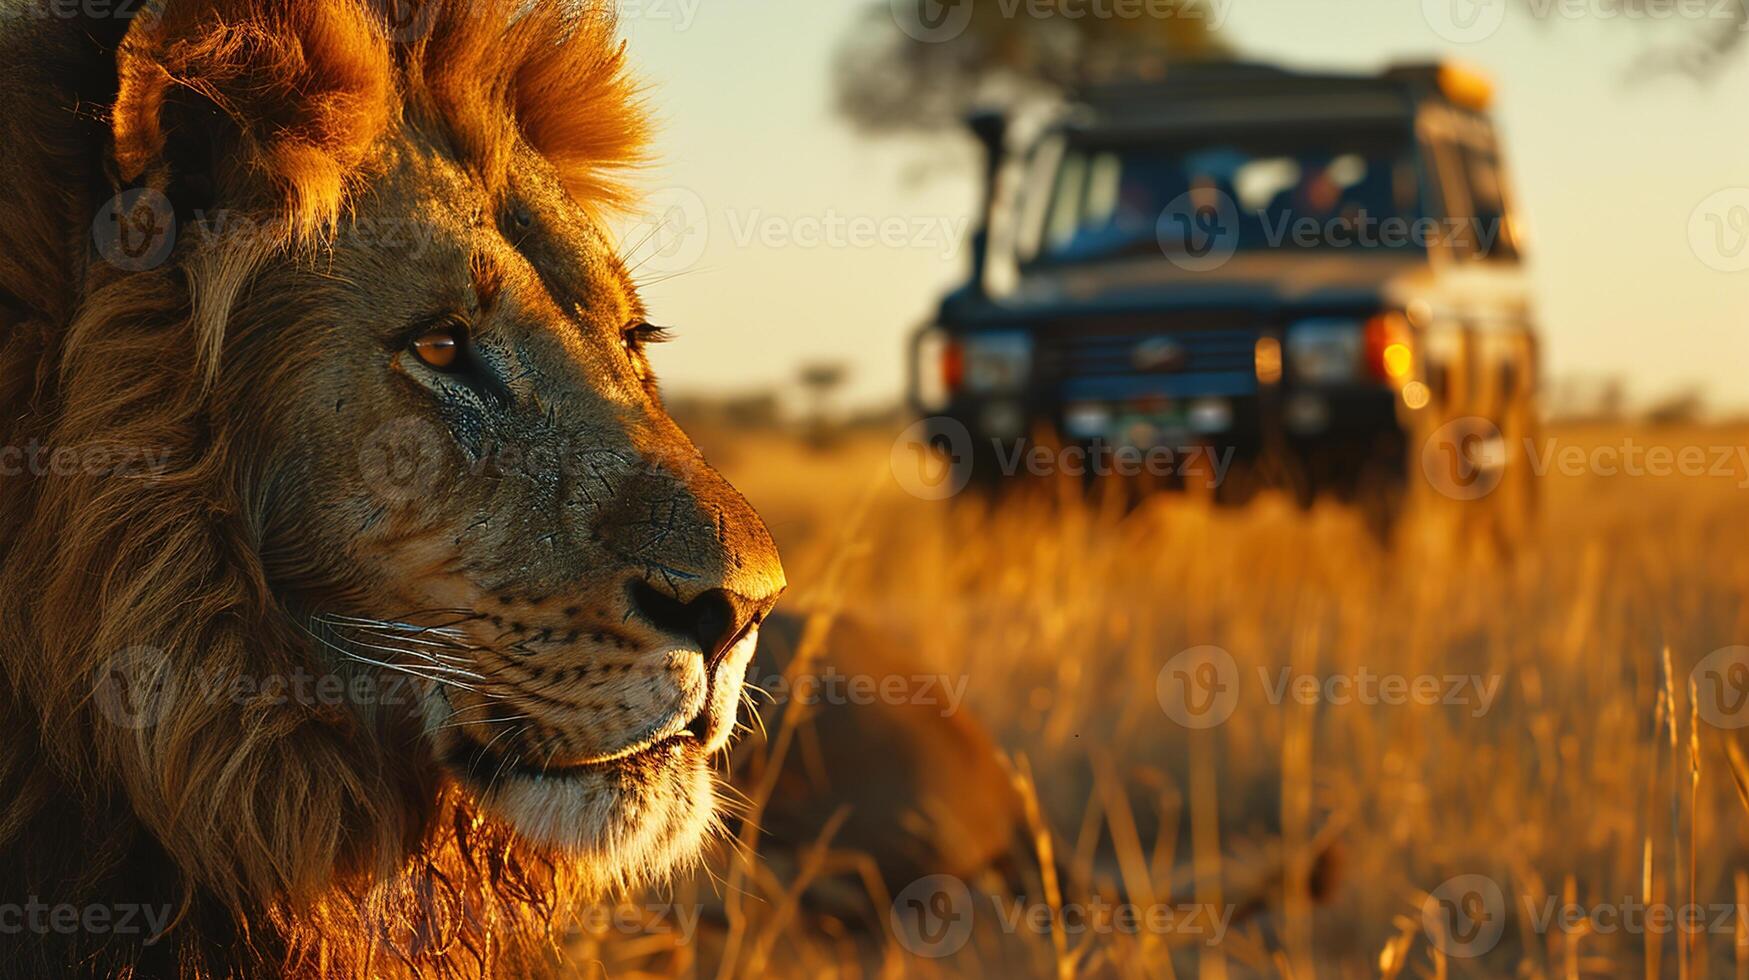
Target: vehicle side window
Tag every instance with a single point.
(1037, 193)
(1065, 215)
(1488, 199)
(1457, 229)
(1466, 166)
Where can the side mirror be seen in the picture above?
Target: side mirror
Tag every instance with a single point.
(990, 128)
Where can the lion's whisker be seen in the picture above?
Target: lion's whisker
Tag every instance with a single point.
(428, 664)
(627, 253)
(487, 750)
(646, 283)
(480, 721)
(422, 641)
(463, 615)
(402, 622)
(447, 634)
(430, 656)
(399, 668)
(410, 672)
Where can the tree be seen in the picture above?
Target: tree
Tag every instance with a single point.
(920, 65)
(822, 379)
(1702, 53)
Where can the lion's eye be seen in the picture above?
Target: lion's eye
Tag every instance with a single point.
(441, 348)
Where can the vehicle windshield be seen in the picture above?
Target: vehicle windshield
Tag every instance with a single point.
(1284, 191)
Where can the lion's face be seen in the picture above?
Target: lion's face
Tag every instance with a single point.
(460, 468)
(390, 367)
(476, 482)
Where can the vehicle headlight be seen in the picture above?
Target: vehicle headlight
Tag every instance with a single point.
(1326, 350)
(995, 361)
(1390, 349)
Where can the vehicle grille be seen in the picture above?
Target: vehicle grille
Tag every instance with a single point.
(1099, 360)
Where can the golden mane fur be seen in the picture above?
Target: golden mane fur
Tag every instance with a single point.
(314, 84)
(278, 831)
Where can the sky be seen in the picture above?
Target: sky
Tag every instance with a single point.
(806, 241)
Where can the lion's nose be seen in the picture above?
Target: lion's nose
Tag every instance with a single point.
(715, 619)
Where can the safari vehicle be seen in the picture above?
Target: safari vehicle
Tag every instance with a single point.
(1309, 276)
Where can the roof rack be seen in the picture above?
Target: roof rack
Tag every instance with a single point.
(1192, 81)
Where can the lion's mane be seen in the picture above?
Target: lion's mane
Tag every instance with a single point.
(283, 835)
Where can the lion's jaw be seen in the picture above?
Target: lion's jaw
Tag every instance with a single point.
(641, 804)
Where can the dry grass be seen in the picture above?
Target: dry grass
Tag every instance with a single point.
(1587, 777)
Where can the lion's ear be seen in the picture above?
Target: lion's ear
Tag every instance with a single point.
(274, 104)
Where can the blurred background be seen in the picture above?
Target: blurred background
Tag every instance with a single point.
(1619, 121)
(1431, 663)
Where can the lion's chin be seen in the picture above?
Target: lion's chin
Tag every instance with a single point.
(628, 820)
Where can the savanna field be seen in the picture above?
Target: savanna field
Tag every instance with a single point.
(1537, 793)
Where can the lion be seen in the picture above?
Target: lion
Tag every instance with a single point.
(360, 605)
